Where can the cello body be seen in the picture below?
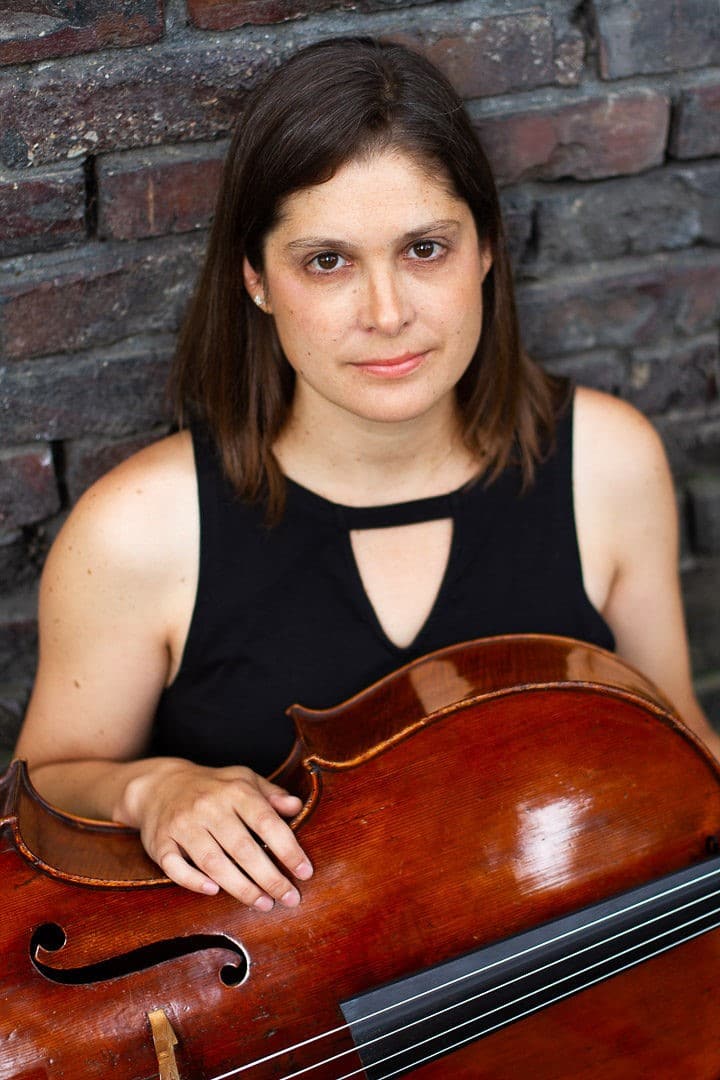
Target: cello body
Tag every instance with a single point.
(482, 792)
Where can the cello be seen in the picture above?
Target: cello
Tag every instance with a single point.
(517, 876)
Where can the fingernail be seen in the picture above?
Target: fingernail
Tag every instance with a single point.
(304, 870)
(291, 898)
(263, 903)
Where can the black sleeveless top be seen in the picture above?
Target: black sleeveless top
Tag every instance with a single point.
(281, 615)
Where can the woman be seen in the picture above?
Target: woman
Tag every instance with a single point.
(375, 470)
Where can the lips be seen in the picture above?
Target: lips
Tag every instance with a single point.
(392, 367)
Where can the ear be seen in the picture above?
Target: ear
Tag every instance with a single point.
(255, 286)
(486, 260)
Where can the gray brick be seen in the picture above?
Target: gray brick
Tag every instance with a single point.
(696, 122)
(28, 491)
(116, 101)
(645, 36)
(677, 375)
(604, 370)
(708, 691)
(518, 216)
(13, 702)
(163, 190)
(21, 556)
(704, 498)
(95, 295)
(110, 392)
(589, 138)
(35, 33)
(18, 635)
(663, 210)
(496, 54)
(692, 439)
(43, 209)
(628, 303)
(86, 460)
(701, 588)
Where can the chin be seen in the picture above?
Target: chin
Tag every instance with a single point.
(400, 411)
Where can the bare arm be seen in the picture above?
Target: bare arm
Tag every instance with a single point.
(628, 529)
(115, 600)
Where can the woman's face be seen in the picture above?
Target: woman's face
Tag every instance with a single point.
(374, 282)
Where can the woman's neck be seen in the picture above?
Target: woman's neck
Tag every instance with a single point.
(363, 462)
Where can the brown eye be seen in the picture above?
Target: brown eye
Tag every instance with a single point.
(425, 249)
(326, 260)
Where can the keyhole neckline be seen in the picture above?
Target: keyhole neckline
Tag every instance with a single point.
(389, 515)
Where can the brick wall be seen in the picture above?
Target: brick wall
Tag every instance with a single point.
(602, 119)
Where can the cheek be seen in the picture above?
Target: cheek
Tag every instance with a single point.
(469, 305)
(457, 310)
(307, 323)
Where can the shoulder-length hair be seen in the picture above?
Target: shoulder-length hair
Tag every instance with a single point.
(331, 103)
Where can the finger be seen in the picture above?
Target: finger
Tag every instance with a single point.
(280, 798)
(245, 851)
(286, 804)
(182, 873)
(278, 837)
(212, 858)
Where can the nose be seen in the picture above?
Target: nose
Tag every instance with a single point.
(387, 303)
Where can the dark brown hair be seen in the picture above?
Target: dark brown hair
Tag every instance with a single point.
(328, 104)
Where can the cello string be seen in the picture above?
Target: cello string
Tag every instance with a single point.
(528, 1012)
(488, 967)
(499, 1008)
(396, 1005)
(518, 1000)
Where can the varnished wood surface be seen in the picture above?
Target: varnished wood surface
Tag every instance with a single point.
(496, 814)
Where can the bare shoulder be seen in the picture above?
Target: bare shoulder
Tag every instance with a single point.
(142, 508)
(159, 477)
(617, 449)
(623, 494)
(128, 552)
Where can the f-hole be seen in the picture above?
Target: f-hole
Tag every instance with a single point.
(49, 939)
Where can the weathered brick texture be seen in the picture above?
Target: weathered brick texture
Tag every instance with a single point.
(18, 634)
(185, 89)
(519, 218)
(32, 31)
(28, 490)
(95, 295)
(637, 37)
(493, 55)
(666, 209)
(226, 14)
(86, 460)
(603, 369)
(110, 392)
(696, 127)
(664, 377)
(702, 588)
(638, 300)
(588, 139)
(704, 492)
(41, 210)
(18, 650)
(114, 101)
(155, 192)
(22, 554)
(692, 440)
(14, 564)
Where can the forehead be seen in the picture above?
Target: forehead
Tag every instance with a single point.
(385, 193)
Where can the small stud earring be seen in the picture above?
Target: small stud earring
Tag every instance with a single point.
(259, 300)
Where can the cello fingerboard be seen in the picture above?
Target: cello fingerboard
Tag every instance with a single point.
(405, 1024)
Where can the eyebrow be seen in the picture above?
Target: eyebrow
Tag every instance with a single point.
(329, 242)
